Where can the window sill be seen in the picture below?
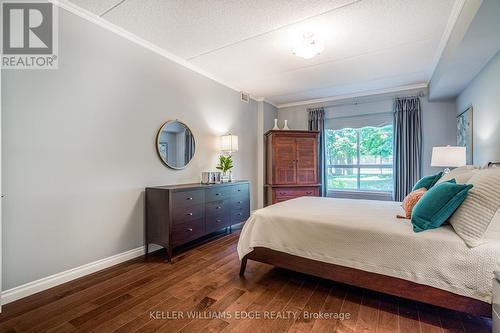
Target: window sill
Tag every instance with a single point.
(366, 195)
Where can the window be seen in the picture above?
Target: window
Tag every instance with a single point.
(359, 159)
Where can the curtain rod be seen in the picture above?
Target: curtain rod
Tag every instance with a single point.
(362, 115)
(353, 101)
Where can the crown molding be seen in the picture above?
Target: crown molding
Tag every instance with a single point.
(269, 102)
(360, 94)
(263, 99)
(93, 18)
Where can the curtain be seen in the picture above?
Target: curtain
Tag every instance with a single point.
(407, 145)
(316, 122)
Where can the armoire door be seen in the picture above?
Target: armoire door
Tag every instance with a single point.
(284, 160)
(306, 160)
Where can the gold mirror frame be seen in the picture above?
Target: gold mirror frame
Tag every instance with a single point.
(158, 134)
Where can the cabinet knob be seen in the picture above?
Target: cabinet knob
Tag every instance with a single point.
(240, 202)
(189, 198)
(217, 193)
(218, 207)
(189, 214)
(189, 229)
(218, 220)
(309, 193)
(239, 214)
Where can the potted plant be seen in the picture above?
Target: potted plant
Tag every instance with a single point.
(225, 165)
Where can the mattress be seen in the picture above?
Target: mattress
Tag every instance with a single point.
(366, 235)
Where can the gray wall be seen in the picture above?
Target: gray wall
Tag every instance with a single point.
(439, 119)
(483, 93)
(266, 115)
(270, 113)
(78, 147)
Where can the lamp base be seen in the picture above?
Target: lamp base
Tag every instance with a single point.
(447, 170)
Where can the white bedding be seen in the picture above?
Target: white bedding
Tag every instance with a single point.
(366, 235)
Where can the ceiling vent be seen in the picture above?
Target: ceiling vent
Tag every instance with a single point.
(245, 97)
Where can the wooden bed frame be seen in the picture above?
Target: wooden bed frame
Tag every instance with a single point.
(373, 281)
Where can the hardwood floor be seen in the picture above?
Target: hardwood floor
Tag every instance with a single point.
(140, 295)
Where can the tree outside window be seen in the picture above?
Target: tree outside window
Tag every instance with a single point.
(360, 159)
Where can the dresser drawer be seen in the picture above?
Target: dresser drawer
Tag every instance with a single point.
(217, 208)
(217, 222)
(239, 190)
(189, 213)
(239, 204)
(187, 198)
(239, 216)
(282, 194)
(217, 193)
(185, 232)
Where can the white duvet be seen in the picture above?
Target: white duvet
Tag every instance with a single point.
(366, 235)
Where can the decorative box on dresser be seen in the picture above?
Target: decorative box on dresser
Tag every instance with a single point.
(178, 214)
(291, 165)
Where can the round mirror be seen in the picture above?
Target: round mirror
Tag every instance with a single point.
(175, 144)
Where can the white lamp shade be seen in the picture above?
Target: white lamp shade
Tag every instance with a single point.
(448, 157)
(229, 143)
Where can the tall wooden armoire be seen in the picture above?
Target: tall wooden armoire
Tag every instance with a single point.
(292, 168)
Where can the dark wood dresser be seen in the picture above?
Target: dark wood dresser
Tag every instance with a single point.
(178, 214)
(291, 165)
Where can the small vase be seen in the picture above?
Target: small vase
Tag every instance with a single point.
(276, 125)
(286, 128)
(225, 177)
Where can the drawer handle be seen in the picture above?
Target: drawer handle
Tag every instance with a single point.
(189, 198)
(218, 220)
(240, 202)
(309, 193)
(189, 229)
(189, 214)
(239, 190)
(217, 193)
(218, 207)
(239, 214)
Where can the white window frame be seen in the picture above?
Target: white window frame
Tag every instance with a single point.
(359, 193)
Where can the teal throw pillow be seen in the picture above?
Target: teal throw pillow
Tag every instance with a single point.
(438, 204)
(427, 181)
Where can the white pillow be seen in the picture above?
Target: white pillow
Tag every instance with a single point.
(493, 231)
(461, 174)
(473, 217)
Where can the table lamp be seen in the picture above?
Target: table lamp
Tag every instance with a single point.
(448, 157)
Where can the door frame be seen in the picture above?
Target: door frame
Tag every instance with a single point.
(1, 191)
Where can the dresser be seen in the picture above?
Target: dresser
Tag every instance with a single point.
(178, 214)
(291, 165)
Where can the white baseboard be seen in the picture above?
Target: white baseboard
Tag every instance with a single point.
(34, 287)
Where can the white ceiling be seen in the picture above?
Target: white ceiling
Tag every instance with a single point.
(369, 44)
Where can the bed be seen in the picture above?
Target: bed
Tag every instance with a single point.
(362, 243)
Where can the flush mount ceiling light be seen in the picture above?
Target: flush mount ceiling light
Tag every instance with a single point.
(308, 47)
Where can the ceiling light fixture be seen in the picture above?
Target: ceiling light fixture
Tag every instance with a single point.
(308, 47)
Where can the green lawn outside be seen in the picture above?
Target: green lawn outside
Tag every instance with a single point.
(369, 182)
